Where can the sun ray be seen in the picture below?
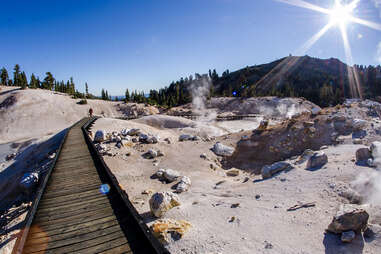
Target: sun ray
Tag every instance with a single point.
(353, 79)
(367, 23)
(306, 46)
(306, 5)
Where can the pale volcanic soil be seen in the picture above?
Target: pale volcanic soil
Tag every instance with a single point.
(261, 222)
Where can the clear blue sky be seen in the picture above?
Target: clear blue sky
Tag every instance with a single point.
(143, 44)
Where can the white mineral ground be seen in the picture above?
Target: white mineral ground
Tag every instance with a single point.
(29, 127)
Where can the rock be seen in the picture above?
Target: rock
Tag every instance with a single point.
(100, 136)
(124, 132)
(28, 181)
(10, 156)
(196, 138)
(171, 175)
(323, 147)
(51, 156)
(359, 124)
(143, 138)
(161, 202)
(305, 156)
(348, 236)
(160, 173)
(370, 163)
(317, 160)
(151, 154)
(101, 148)
(168, 140)
(175, 228)
(222, 150)
(235, 205)
(315, 111)
(357, 141)
(203, 156)
(133, 132)
(118, 139)
(160, 153)
(375, 149)
(183, 185)
(269, 170)
(232, 172)
(363, 154)
(372, 231)
(152, 140)
(349, 217)
(119, 145)
(185, 137)
(147, 192)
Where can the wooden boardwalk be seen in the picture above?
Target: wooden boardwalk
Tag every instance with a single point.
(74, 216)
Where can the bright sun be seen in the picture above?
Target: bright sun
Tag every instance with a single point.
(341, 14)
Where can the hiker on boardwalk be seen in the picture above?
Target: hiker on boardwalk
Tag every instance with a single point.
(91, 112)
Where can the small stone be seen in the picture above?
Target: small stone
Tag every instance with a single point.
(134, 132)
(348, 236)
(257, 196)
(357, 141)
(168, 140)
(232, 219)
(323, 147)
(203, 156)
(171, 175)
(269, 170)
(232, 172)
(235, 205)
(370, 163)
(151, 154)
(183, 185)
(147, 192)
(185, 137)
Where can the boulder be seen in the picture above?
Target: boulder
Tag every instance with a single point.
(222, 150)
(183, 185)
(100, 136)
(349, 218)
(363, 154)
(269, 170)
(317, 160)
(161, 202)
(348, 236)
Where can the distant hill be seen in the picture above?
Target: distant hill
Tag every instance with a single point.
(322, 81)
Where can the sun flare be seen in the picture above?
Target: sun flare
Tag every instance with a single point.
(341, 14)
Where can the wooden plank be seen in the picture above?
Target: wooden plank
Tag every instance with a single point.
(77, 238)
(124, 248)
(38, 231)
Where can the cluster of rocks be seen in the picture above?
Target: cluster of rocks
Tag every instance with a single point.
(187, 137)
(349, 221)
(370, 156)
(170, 175)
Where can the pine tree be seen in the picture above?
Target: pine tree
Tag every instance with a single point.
(16, 75)
(127, 95)
(23, 80)
(48, 81)
(87, 89)
(4, 77)
(33, 82)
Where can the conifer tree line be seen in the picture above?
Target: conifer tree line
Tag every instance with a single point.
(48, 83)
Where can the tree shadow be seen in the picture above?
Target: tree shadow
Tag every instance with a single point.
(333, 244)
